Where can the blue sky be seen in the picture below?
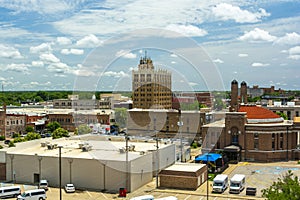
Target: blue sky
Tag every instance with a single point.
(95, 45)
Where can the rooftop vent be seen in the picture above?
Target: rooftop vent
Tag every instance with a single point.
(86, 148)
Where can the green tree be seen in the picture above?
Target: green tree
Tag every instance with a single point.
(286, 188)
(52, 126)
(121, 117)
(60, 132)
(284, 116)
(83, 129)
(32, 136)
(29, 129)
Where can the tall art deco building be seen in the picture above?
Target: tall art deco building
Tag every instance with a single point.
(151, 87)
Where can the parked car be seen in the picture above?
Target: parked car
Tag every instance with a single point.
(43, 184)
(10, 191)
(37, 194)
(70, 188)
(6, 141)
(48, 134)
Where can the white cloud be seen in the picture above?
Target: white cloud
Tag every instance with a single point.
(295, 50)
(125, 54)
(294, 57)
(289, 39)
(192, 84)
(225, 11)
(37, 63)
(115, 74)
(260, 64)
(59, 68)
(173, 62)
(89, 41)
(257, 35)
(186, 30)
(34, 83)
(42, 48)
(218, 61)
(21, 67)
(243, 55)
(294, 53)
(49, 57)
(127, 16)
(42, 7)
(173, 55)
(9, 52)
(84, 72)
(72, 51)
(63, 41)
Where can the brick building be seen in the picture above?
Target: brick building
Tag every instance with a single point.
(183, 176)
(147, 122)
(250, 132)
(71, 120)
(2, 120)
(15, 123)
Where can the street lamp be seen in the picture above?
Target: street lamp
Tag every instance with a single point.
(40, 158)
(70, 160)
(180, 124)
(59, 161)
(207, 155)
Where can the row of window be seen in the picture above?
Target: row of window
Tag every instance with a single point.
(280, 146)
(14, 122)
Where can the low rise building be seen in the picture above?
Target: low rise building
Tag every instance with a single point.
(183, 176)
(90, 162)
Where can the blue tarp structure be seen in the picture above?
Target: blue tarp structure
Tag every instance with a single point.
(211, 157)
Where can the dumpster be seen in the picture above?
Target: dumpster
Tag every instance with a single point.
(122, 192)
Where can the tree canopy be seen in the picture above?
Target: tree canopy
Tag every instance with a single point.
(121, 117)
(286, 188)
(83, 129)
(60, 132)
(52, 126)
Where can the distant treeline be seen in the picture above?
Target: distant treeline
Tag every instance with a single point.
(23, 97)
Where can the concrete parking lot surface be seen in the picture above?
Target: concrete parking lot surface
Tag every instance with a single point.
(258, 175)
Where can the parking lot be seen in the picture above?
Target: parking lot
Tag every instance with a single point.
(257, 175)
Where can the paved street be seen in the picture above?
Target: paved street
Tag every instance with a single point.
(258, 175)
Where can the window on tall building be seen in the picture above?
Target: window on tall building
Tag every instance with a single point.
(289, 115)
(256, 144)
(148, 77)
(273, 145)
(297, 113)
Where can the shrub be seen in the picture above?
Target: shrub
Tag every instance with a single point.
(19, 139)
(11, 144)
(15, 135)
(2, 137)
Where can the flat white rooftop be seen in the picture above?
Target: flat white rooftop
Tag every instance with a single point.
(101, 148)
(185, 167)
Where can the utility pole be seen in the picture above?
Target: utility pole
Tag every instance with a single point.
(59, 161)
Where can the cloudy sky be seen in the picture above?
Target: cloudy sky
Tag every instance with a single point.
(95, 45)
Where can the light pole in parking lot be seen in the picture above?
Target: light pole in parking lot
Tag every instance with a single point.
(207, 176)
(40, 166)
(59, 170)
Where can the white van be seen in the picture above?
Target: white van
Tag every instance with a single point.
(237, 183)
(220, 183)
(144, 197)
(37, 194)
(10, 191)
